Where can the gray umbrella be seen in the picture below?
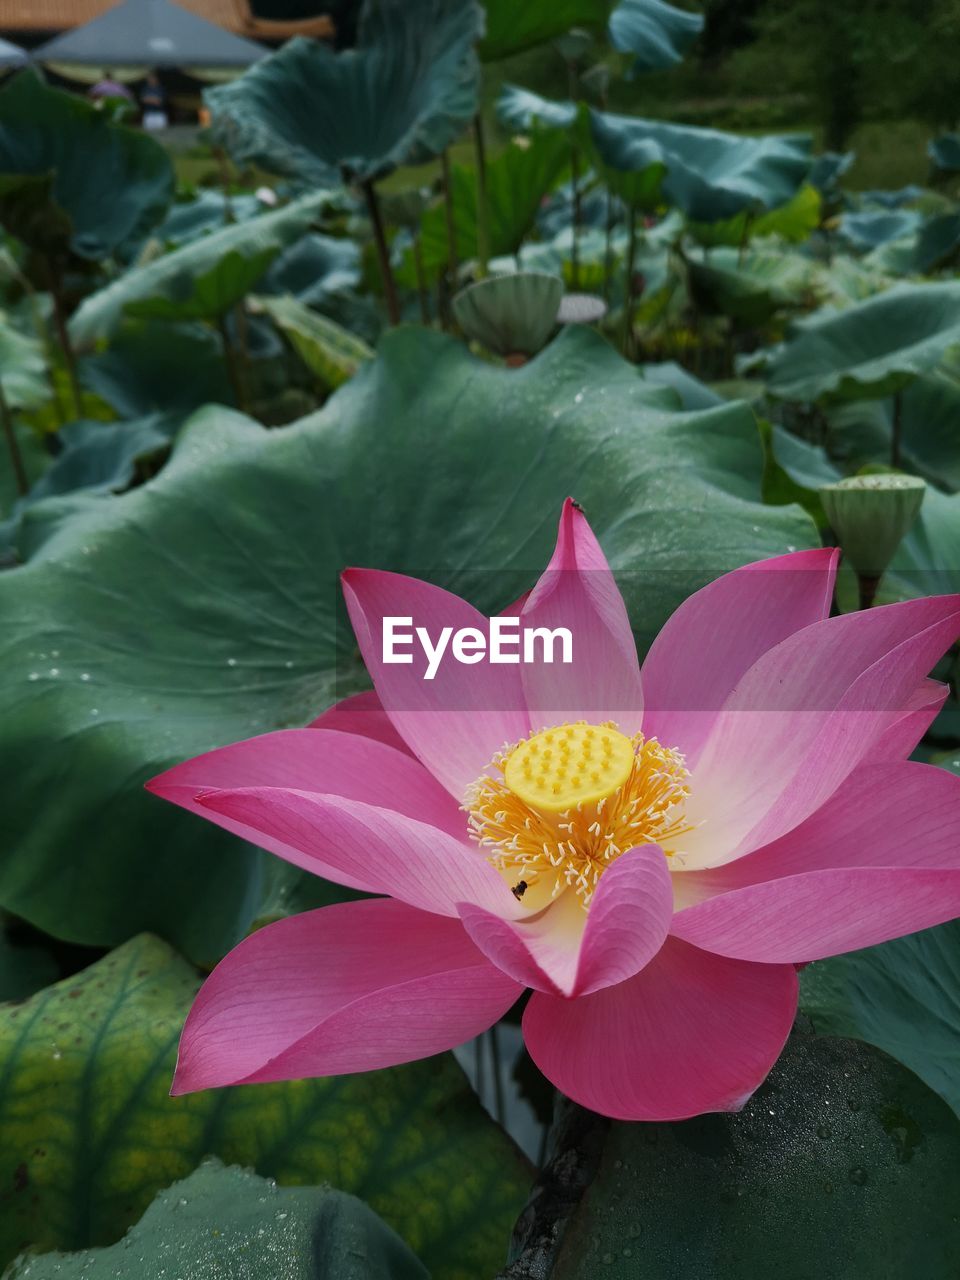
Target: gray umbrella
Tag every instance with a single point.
(158, 33)
(12, 55)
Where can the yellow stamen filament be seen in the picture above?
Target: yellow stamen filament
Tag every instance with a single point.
(553, 829)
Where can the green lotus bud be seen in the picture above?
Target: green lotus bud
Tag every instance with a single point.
(512, 315)
(870, 515)
(575, 45)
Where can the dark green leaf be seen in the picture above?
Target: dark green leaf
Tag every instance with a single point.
(793, 221)
(521, 110)
(23, 969)
(655, 33)
(326, 348)
(871, 349)
(794, 470)
(203, 607)
(173, 275)
(69, 175)
(869, 230)
(750, 288)
(159, 369)
(225, 1223)
(23, 369)
(513, 27)
(89, 1134)
(709, 175)
(517, 180)
(903, 997)
(945, 152)
(210, 294)
(401, 96)
(861, 432)
(843, 1164)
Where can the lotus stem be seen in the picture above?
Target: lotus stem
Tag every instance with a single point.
(575, 183)
(69, 356)
(478, 1066)
(452, 263)
(608, 249)
(421, 281)
(223, 168)
(897, 431)
(575, 242)
(234, 374)
(43, 335)
(628, 295)
(442, 307)
(744, 240)
(867, 585)
(483, 212)
(13, 446)
(383, 254)
(498, 1107)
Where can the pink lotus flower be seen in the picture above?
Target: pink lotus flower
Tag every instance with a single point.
(652, 850)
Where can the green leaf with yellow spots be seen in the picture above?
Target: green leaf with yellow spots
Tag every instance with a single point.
(89, 1135)
(228, 1224)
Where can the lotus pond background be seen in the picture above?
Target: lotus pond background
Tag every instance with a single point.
(399, 332)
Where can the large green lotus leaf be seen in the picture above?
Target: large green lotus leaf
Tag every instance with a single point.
(749, 287)
(323, 272)
(872, 349)
(937, 243)
(29, 213)
(513, 27)
(868, 230)
(225, 1223)
(794, 221)
(522, 110)
(159, 369)
(635, 176)
(928, 560)
(690, 391)
(172, 276)
(929, 243)
(326, 348)
(903, 997)
(827, 170)
(89, 1133)
(860, 432)
(843, 1164)
(202, 607)
(710, 175)
(403, 94)
(208, 210)
(944, 152)
(794, 469)
(209, 294)
(656, 34)
(23, 369)
(35, 459)
(313, 268)
(99, 456)
(99, 182)
(517, 180)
